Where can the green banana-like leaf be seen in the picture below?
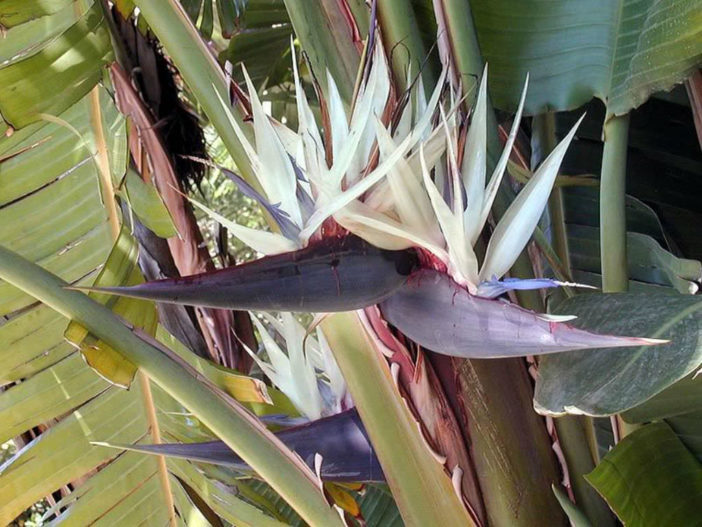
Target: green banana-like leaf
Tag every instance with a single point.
(118, 481)
(378, 507)
(608, 381)
(643, 477)
(680, 406)
(73, 59)
(64, 147)
(618, 51)
(688, 428)
(63, 453)
(224, 501)
(146, 203)
(683, 397)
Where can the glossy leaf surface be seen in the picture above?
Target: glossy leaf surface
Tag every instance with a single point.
(608, 381)
(617, 51)
(643, 477)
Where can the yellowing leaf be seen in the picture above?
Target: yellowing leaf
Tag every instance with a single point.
(120, 269)
(243, 388)
(343, 499)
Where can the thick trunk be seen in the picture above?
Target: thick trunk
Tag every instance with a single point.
(508, 442)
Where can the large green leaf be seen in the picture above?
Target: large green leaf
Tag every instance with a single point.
(651, 479)
(680, 406)
(683, 397)
(608, 381)
(224, 500)
(376, 502)
(688, 428)
(55, 210)
(652, 265)
(74, 59)
(63, 453)
(619, 51)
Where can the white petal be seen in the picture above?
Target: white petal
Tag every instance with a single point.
(474, 158)
(337, 115)
(409, 197)
(499, 171)
(263, 242)
(277, 176)
(464, 263)
(517, 225)
(382, 231)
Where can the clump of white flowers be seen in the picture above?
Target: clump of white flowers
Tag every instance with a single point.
(401, 188)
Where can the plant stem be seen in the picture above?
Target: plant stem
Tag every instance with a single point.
(418, 482)
(403, 42)
(501, 426)
(572, 435)
(102, 160)
(613, 205)
(199, 70)
(326, 37)
(544, 128)
(225, 417)
(573, 431)
(155, 431)
(468, 61)
(496, 418)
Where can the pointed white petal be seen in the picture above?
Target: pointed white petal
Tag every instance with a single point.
(409, 197)
(312, 146)
(434, 148)
(404, 125)
(383, 231)
(291, 141)
(291, 371)
(457, 204)
(337, 115)
(301, 369)
(337, 383)
(496, 178)
(277, 176)
(248, 147)
(336, 203)
(260, 241)
(278, 359)
(380, 197)
(474, 158)
(464, 264)
(517, 225)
